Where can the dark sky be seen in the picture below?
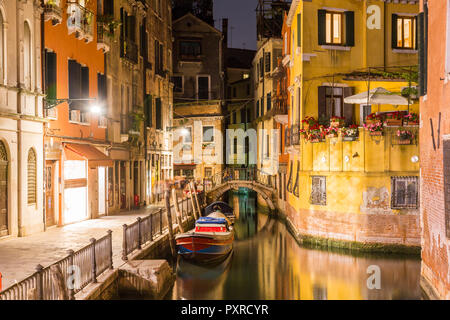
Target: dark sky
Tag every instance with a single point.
(242, 17)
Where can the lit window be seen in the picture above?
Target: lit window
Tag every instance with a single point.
(333, 27)
(405, 192)
(208, 134)
(406, 32)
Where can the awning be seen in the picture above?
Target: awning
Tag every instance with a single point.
(75, 151)
(376, 96)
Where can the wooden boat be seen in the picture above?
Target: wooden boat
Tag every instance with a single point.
(211, 240)
(222, 207)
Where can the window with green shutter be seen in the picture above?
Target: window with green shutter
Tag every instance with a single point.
(299, 30)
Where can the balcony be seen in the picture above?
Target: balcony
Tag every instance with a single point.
(128, 49)
(80, 21)
(103, 36)
(53, 12)
(295, 135)
(280, 110)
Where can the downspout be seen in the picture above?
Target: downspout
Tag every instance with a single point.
(19, 129)
(43, 58)
(385, 36)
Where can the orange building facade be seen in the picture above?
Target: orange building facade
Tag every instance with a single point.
(435, 147)
(75, 143)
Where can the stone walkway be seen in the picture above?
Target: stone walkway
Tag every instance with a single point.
(19, 256)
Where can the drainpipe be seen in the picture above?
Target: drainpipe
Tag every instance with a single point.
(44, 189)
(19, 129)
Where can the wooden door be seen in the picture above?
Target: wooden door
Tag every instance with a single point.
(49, 195)
(3, 191)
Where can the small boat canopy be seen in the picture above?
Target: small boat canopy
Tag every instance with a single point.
(209, 220)
(219, 206)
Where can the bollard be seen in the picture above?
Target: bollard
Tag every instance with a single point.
(110, 249)
(70, 252)
(94, 264)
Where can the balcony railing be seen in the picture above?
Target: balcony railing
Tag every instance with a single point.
(80, 21)
(103, 37)
(128, 49)
(53, 12)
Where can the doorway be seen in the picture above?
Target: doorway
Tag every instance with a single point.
(49, 194)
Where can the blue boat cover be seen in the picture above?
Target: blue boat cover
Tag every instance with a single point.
(206, 220)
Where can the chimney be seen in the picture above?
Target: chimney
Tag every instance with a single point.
(225, 31)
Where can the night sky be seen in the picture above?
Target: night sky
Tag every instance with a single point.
(242, 17)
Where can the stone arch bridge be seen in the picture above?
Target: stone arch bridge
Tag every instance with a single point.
(232, 179)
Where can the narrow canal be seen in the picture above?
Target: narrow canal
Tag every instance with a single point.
(267, 263)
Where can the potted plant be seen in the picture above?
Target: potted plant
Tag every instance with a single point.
(316, 133)
(332, 132)
(373, 118)
(394, 119)
(411, 119)
(337, 122)
(308, 122)
(350, 133)
(375, 129)
(405, 136)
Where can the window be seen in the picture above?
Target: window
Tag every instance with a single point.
(178, 84)
(27, 55)
(267, 146)
(243, 114)
(336, 28)
(331, 103)
(269, 101)
(208, 134)
(75, 84)
(234, 92)
(203, 87)
(262, 106)
(299, 29)
(423, 49)
(187, 138)
(190, 49)
(50, 75)
(234, 113)
(158, 112)
(101, 85)
(235, 144)
(296, 187)
(365, 111)
(208, 172)
(261, 67)
(31, 177)
(148, 108)
(405, 192)
(289, 184)
(403, 32)
(257, 108)
(318, 191)
(159, 57)
(267, 61)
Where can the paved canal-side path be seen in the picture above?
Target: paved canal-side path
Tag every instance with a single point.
(19, 256)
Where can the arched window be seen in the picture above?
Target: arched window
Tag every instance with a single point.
(3, 190)
(32, 176)
(27, 54)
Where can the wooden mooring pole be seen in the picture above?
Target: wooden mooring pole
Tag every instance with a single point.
(194, 186)
(192, 200)
(177, 210)
(169, 223)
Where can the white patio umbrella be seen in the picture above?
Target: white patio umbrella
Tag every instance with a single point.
(376, 96)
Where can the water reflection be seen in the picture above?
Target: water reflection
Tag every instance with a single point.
(267, 263)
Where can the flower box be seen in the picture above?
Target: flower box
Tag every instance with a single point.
(316, 140)
(393, 122)
(372, 121)
(411, 123)
(376, 133)
(404, 141)
(349, 138)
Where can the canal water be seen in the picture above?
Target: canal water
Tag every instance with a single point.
(267, 263)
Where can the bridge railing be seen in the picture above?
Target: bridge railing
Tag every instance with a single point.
(240, 174)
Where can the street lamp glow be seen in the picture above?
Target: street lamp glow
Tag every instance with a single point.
(184, 132)
(96, 109)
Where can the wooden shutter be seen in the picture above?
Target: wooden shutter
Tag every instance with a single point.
(267, 62)
(348, 111)
(31, 177)
(50, 75)
(269, 101)
(101, 87)
(161, 57)
(394, 31)
(422, 39)
(84, 82)
(299, 29)
(321, 26)
(322, 102)
(148, 110)
(257, 108)
(74, 80)
(108, 8)
(350, 28)
(158, 113)
(156, 56)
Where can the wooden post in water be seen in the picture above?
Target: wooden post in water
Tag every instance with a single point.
(194, 186)
(169, 223)
(177, 210)
(192, 201)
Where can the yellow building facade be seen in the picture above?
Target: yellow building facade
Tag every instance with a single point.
(364, 188)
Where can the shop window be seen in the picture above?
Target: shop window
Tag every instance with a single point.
(318, 190)
(405, 192)
(31, 176)
(404, 32)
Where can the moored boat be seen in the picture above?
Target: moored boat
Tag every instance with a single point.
(210, 241)
(223, 208)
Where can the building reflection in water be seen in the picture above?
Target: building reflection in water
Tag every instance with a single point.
(267, 263)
